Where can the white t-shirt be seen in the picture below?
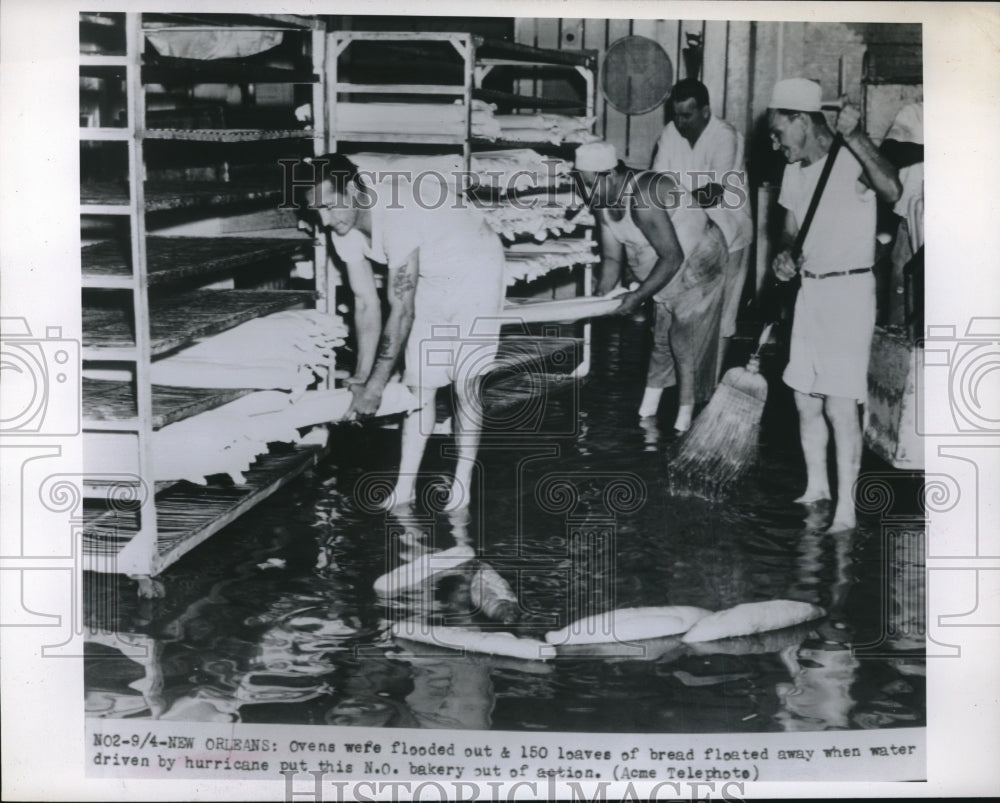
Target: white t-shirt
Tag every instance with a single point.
(842, 235)
(719, 149)
(353, 247)
(460, 258)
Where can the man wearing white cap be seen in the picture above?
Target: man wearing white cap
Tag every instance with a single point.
(835, 308)
(677, 253)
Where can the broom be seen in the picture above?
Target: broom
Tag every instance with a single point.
(722, 444)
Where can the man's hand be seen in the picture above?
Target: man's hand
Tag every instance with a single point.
(708, 196)
(365, 403)
(357, 379)
(847, 120)
(630, 303)
(784, 266)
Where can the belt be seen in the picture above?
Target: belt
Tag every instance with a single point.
(851, 272)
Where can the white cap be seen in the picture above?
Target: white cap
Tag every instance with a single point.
(798, 95)
(596, 157)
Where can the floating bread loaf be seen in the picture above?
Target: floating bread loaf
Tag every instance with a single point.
(493, 596)
(629, 624)
(414, 573)
(461, 638)
(752, 617)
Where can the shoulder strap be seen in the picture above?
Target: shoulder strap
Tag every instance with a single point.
(831, 156)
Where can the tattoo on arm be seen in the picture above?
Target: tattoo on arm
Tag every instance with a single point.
(404, 282)
(387, 347)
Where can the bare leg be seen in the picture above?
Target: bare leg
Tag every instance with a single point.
(650, 402)
(683, 421)
(814, 436)
(843, 415)
(685, 385)
(416, 429)
(468, 424)
(662, 368)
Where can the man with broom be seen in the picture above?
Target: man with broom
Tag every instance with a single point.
(835, 308)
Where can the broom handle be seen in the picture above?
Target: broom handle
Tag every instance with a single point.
(764, 337)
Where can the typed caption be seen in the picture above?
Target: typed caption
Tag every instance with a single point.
(122, 749)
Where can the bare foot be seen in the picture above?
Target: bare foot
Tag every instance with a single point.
(398, 499)
(683, 420)
(842, 521)
(650, 402)
(811, 496)
(458, 499)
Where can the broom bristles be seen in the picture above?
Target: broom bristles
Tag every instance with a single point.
(722, 444)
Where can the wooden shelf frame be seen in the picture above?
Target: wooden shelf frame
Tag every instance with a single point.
(464, 45)
(177, 516)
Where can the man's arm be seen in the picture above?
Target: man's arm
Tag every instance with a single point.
(879, 172)
(611, 262)
(654, 222)
(402, 291)
(367, 316)
(784, 266)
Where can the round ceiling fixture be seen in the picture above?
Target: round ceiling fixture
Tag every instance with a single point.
(637, 75)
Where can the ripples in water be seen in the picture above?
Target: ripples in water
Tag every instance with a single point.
(275, 618)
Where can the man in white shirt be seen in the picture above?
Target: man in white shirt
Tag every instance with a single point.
(706, 154)
(835, 307)
(445, 290)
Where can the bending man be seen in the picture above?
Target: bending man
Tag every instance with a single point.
(445, 289)
(678, 254)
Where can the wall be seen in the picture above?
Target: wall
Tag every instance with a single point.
(741, 63)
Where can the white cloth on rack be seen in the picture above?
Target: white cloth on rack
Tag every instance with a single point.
(286, 351)
(224, 43)
(554, 128)
(511, 170)
(228, 439)
(225, 440)
(415, 118)
(520, 169)
(529, 261)
(540, 216)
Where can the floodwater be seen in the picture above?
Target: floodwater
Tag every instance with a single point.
(275, 620)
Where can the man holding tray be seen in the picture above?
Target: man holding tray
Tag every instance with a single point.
(678, 254)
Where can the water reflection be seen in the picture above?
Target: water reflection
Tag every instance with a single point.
(278, 619)
(819, 696)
